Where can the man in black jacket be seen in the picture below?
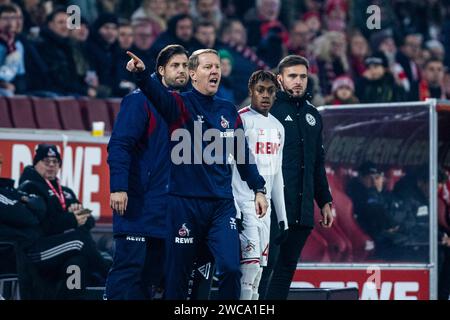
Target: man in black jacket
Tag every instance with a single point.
(303, 173)
(23, 218)
(65, 214)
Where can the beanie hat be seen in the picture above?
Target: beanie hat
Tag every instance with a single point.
(342, 81)
(104, 19)
(378, 58)
(225, 54)
(377, 38)
(331, 5)
(45, 150)
(310, 14)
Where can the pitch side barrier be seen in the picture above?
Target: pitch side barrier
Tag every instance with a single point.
(406, 142)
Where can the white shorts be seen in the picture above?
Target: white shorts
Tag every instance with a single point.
(255, 236)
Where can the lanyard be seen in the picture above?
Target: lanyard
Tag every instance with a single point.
(59, 195)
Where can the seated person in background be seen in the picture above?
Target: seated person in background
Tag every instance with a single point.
(64, 211)
(12, 64)
(411, 196)
(21, 218)
(371, 204)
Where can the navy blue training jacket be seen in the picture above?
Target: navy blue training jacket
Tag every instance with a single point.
(138, 158)
(180, 111)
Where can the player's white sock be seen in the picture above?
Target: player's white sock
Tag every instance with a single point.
(255, 287)
(249, 273)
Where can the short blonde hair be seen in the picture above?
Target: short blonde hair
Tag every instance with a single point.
(193, 59)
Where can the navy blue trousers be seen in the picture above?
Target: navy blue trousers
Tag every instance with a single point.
(192, 222)
(137, 268)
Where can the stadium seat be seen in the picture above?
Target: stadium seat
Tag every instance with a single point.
(95, 110)
(22, 112)
(46, 113)
(114, 107)
(70, 114)
(339, 246)
(362, 244)
(315, 249)
(5, 118)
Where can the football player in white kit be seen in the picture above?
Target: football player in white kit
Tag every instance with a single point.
(265, 137)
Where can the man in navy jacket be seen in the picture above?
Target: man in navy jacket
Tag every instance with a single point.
(138, 154)
(201, 205)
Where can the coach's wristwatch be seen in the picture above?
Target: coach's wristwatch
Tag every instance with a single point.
(261, 190)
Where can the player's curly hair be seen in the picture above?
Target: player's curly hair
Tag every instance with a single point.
(262, 75)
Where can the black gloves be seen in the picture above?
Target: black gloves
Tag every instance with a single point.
(282, 234)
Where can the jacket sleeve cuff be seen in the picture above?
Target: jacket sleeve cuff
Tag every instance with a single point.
(119, 183)
(142, 76)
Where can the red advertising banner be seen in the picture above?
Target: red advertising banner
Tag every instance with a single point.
(373, 283)
(84, 168)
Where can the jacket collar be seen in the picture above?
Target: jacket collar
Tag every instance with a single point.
(202, 96)
(283, 96)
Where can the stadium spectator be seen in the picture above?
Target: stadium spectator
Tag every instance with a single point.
(154, 11)
(234, 38)
(273, 44)
(180, 30)
(124, 84)
(358, 52)
(142, 42)
(78, 38)
(64, 215)
(436, 49)
(245, 60)
(330, 49)
(336, 15)
(102, 49)
(175, 7)
(34, 16)
(265, 11)
(410, 51)
(377, 83)
(126, 35)
(208, 11)
(226, 86)
(300, 40)
(56, 51)
(35, 68)
(89, 9)
(432, 83)
(205, 34)
(312, 21)
(342, 92)
(12, 60)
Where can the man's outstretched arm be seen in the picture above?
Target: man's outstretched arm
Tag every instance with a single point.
(169, 104)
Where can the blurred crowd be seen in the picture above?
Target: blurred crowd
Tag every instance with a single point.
(403, 60)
